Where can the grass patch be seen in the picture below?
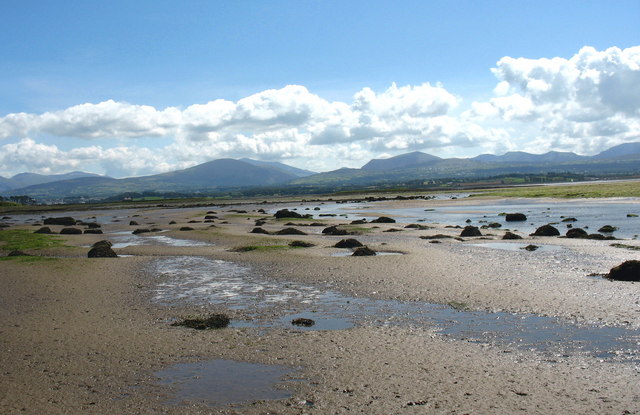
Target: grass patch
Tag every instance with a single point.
(20, 240)
(263, 248)
(27, 259)
(574, 191)
(625, 246)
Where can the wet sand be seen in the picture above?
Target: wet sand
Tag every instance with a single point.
(83, 335)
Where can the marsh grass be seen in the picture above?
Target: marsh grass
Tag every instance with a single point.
(573, 191)
(20, 240)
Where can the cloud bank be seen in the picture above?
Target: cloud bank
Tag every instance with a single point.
(586, 103)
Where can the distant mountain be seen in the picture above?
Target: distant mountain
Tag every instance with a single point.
(403, 161)
(280, 166)
(620, 151)
(522, 157)
(31, 179)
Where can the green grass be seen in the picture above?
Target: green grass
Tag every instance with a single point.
(27, 259)
(20, 240)
(586, 190)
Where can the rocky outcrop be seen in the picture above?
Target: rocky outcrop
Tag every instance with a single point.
(511, 235)
(364, 251)
(546, 230)
(515, 217)
(577, 233)
(470, 231)
(348, 243)
(627, 271)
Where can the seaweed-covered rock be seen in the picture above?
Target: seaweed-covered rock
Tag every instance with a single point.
(64, 221)
(210, 217)
(303, 322)
(259, 230)
(359, 222)
(104, 242)
(102, 251)
(139, 231)
(511, 235)
(133, 223)
(627, 271)
(93, 225)
(348, 243)
(286, 213)
(260, 222)
(93, 231)
(577, 233)
(530, 247)
(383, 219)
(290, 231)
(186, 228)
(569, 220)
(546, 230)
(364, 251)
(71, 231)
(470, 231)
(607, 229)
(45, 230)
(333, 230)
(214, 321)
(300, 244)
(515, 217)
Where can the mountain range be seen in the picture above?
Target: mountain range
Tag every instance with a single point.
(230, 174)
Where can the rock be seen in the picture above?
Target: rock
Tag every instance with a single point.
(530, 247)
(596, 236)
(71, 231)
(45, 230)
(259, 230)
(569, 220)
(194, 221)
(106, 243)
(511, 235)
(546, 230)
(173, 222)
(515, 217)
(286, 213)
(300, 244)
(348, 243)
(64, 221)
(383, 219)
(133, 223)
(607, 229)
(214, 321)
(93, 225)
(627, 271)
(93, 231)
(364, 251)
(102, 251)
(470, 231)
(186, 228)
(290, 231)
(304, 322)
(492, 225)
(333, 230)
(577, 233)
(359, 222)
(262, 211)
(260, 222)
(17, 253)
(139, 231)
(210, 217)
(632, 215)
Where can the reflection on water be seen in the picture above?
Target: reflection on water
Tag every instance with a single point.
(274, 304)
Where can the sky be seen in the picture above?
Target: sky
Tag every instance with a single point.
(132, 88)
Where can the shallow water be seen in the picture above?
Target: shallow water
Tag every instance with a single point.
(273, 304)
(505, 246)
(126, 238)
(224, 382)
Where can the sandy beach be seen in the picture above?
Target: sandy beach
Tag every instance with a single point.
(88, 335)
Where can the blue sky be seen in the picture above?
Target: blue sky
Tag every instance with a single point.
(156, 63)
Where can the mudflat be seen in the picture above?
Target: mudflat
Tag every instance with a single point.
(91, 335)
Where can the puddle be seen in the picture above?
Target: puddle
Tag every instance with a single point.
(272, 304)
(518, 247)
(124, 239)
(224, 382)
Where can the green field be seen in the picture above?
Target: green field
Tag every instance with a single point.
(21, 240)
(573, 191)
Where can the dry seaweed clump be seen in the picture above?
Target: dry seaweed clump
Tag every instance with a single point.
(214, 321)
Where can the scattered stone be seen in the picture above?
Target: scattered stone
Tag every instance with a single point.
(210, 217)
(259, 230)
(71, 231)
(530, 248)
(214, 321)
(607, 229)
(173, 222)
(632, 215)
(44, 230)
(470, 231)
(93, 231)
(348, 243)
(577, 233)
(383, 219)
(333, 230)
(194, 221)
(133, 223)
(546, 230)
(515, 217)
(286, 213)
(102, 251)
(290, 231)
(364, 251)
(17, 253)
(303, 322)
(511, 235)
(569, 220)
(627, 271)
(139, 231)
(64, 221)
(300, 244)
(186, 228)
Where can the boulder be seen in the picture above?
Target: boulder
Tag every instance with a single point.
(470, 231)
(569, 220)
(17, 253)
(511, 235)
(106, 243)
(259, 230)
(348, 243)
(304, 322)
(627, 271)
(93, 225)
(515, 217)
(139, 231)
(64, 221)
(290, 231)
(71, 231)
(577, 233)
(214, 321)
(300, 244)
(364, 251)
(333, 230)
(186, 228)
(608, 229)
(210, 217)
(383, 219)
(93, 231)
(102, 251)
(286, 213)
(45, 230)
(530, 247)
(546, 230)
(133, 223)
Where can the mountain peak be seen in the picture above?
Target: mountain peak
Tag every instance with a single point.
(403, 161)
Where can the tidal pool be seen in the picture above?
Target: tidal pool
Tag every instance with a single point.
(126, 238)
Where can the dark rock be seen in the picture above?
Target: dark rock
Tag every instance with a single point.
(393, 230)
(546, 230)
(383, 219)
(173, 222)
(261, 211)
(186, 228)
(259, 230)
(133, 223)
(17, 253)
(102, 251)
(93, 231)
(71, 231)
(530, 247)
(286, 213)
(106, 243)
(194, 221)
(260, 222)
(596, 236)
(511, 235)
(470, 231)
(139, 231)
(64, 221)
(492, 225)
(210, 217)
(632, 215)
(359, 222)
(577, 233)
(300, 244)
(607, 229)
(569, 220)
(348, 243)
(437, 236)
(93, 225)
(333, 230)
(290, 231)
(627, 271)
(515, 217)
(214, 321)
(304, 322)
(45, 230)
(364, 251)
